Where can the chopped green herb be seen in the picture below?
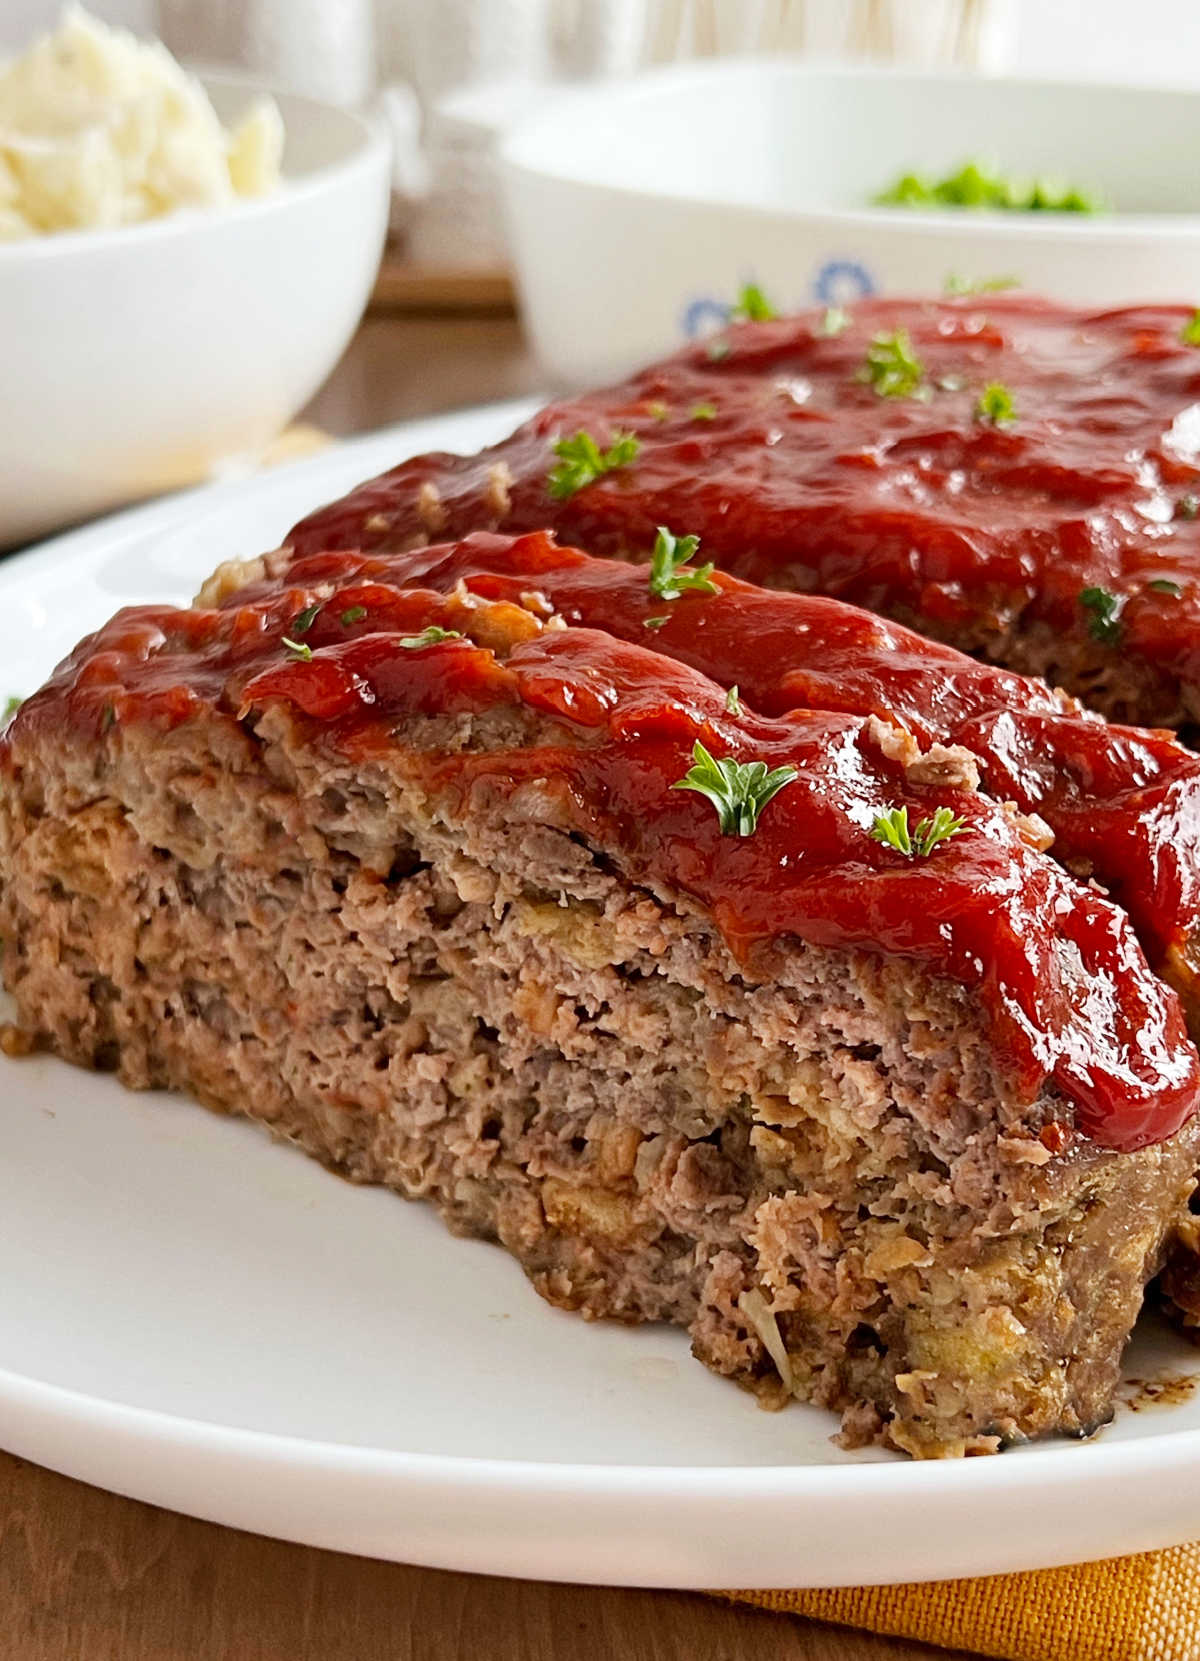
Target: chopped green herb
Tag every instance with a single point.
(657, 409)
(718, 349)
(835, 322)
(108, 716)
(1106, 610)
(305, 619)
(891, 828)
(703, 412)
(733, 704)
(1187, 507)
(1164, 585)
(655, 622)
(581, 461)
(353, 614)
(10, 709)
(892, 367)
(996, 404)
(298, 649)
(738, 790)
(1190, 333)
(669, 573)
(752, 306)
(975, 185)
(428, 637)
(979, 285)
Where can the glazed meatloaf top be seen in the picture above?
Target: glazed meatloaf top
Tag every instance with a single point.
(1017, 477)
(610, 726)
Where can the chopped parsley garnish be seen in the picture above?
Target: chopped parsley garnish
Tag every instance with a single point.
(703, 412)
(739, 790)
(891, 828)
(955, 284)
(298, 649)
(655, 622)
(657, 409)
(752, 306)
(1190, 333)
(1106, 611)
(1187, 507)
(1164, 585)
(733, 704)
(996, 404)
(669, 573)
(975, 185)
(304, 620)
(10, 709)
(718, 349)
(892, 367)
(428, 637)
(353, 614)
(834, 322)
(581, 461)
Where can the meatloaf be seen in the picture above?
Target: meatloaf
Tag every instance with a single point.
(1017, 478)
(770, 1024)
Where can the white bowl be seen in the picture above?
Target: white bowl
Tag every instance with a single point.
(637, 209)
(134, 360)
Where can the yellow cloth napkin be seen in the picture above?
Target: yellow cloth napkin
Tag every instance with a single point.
(1144, 1608)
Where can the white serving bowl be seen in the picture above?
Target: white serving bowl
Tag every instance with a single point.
(637, 209)
(137, 359)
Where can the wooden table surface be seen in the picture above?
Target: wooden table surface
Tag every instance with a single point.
(86, 1576)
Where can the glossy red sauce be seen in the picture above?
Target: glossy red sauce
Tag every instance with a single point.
(806, 479)
(1057, 969)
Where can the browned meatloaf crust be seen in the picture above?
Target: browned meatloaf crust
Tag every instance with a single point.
(1054, 529)
(872, 1127)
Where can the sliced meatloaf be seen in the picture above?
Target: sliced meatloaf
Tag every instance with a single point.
(1017, 478)
(770, 1025)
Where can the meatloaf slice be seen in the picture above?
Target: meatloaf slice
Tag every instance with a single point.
(899, 1133)
(1051, 525)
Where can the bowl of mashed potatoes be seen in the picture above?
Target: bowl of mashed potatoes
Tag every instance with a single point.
(183, 258)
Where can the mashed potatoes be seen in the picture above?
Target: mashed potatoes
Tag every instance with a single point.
(99, 128)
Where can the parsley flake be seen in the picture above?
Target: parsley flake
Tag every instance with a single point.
(301, 652)
(703, 412)
(428, 637)
(891, 828)
(108, 717)
(10, 709)
(1164, 585)
(835, 321)
(655, 622)
(353, 614)
(892, 367)
(955, 284)
(977, 186)
(738, 790)
(304, 620)
(996, 405)
(669, 573)
(1105, 608)
(581, 461)
(1190, 333)
(733, 704)
(1187, 507)
(752, 306)
(657, 409)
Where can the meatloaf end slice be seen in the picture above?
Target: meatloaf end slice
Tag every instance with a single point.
(366, 898)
